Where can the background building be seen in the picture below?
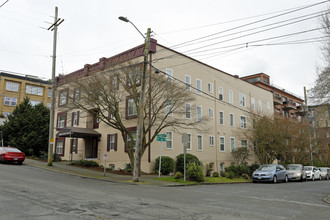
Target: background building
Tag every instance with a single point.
(14, 87)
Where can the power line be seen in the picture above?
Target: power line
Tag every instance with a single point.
(4, 3)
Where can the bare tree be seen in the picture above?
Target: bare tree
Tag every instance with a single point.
(113, 97)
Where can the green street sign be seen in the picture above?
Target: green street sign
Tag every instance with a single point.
(161, 137)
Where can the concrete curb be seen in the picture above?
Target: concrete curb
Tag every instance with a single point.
(327, 199)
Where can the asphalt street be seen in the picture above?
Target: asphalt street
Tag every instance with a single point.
(32, 193)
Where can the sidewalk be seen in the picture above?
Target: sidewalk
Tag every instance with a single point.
(64, 167)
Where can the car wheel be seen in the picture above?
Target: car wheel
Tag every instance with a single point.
(274, 179)
(320, 177)
(313, 178)
(327, 178)
(20, 162)
(286, 179)
(301, 178)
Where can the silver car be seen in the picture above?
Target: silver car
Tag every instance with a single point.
(325, 172)
(296, 172)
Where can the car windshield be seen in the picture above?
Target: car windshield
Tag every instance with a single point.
(267, 167)
(291, 167)
(12, 150)
(324, 169)
(308, 168)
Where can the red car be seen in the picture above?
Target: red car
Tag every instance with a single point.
(11, 154)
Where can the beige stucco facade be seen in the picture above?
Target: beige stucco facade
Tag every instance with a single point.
(239, 98)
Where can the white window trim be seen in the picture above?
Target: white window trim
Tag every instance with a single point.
(220, 88)
(169, 74)
(199, 135)
(240, 121)
(253, 103)
(188, 85)
(167, 139)
(134, 107)
(199, 91)
(230, 141)
(231, 96)
(224, 144)
(210, 88)
(201, 116)
(232, 125)
(211, 110)
(223, 118)
(242, 96)
(190, 142)
(188, 104)
(247, 144)
(213, 138)
(113, 136)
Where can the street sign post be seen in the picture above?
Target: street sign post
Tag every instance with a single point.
(161, 138)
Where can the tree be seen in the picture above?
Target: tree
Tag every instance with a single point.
(27, 128)
(240, 155)
(113, 97)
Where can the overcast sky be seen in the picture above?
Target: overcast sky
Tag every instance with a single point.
(92, 30)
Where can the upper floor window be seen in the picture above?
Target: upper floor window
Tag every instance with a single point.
(243, 122)
(11, 86)
(232, 144)
(231, 117)
(222, 144)
(211, 140)
(134, 76)
(114, 82)
(253, 103)
(189, 145)
(169, 74)
(242, 100)
(188, 110)
(76, 95)
(210, 87)
(220, 90)
(244, 143)
(10, 101)
(49, 92)
(34, 90)
(130, 107)
(63, 97)
(169, 140)
(199, 142)
(75, 118)
(231, 96)
(268, 105)
(221, 118)
(6, 114)
(198, 86)
(211, 113)
(259, 106)
(169, 107)
(61, 119)
(33, 103)
(188, 82)
(199, 113)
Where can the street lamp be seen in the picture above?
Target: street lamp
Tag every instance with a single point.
(138, 144)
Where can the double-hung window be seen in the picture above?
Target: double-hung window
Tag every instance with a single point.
(259, 106)
(221, 118)
(253, 103)
(210, 87)
(222, 144)
(231, 117)
(199, 142)
(169, 107)
(211, 113)
(112, 142)
(63, 98)
(169, 74)
(243, 122)
(220, 90)
(198, 86)
(199, 113)
(231, 96)
(189, 144)
(232, 144)
(75, 118)
(11, 86)
(244, 143)
(188, 110)
(169, 140)
(211, 140)
(242, 100)
(188, 82)
(131, 107)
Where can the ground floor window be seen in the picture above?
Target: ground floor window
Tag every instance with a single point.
(60, 143)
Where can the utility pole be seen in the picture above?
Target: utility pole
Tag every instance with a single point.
(310, 138)
(53, 27)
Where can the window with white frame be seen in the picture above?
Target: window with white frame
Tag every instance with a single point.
(222, 144)
(244, 143)
(220, 91)
(242, 100)
(112, 142)
(222, 168)
(10, 101)
(188, 110)
(49, 92)
(11, 86)
(211, 113)
(231, 119)
(221, 118)
(231, 96)
(243, 122)
(169, 74)
(63, 97)
(169, 107)
(34, 103)
(259, 106)
(134, 76)
(188, 82)
(6, 114)
(7, 100)
(49, 105)
(232, 144)
(169, 140)
(198, 86)
(61, 121)
(75, 118)
(253, 103)
(199, 142)
(131, 107)
(199, 113)
(210, 87)
(34, 90)
(189, 143)
(211, 140)
(59, 147)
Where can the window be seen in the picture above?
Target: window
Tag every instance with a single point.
(49, 92)
(220, 90)
(74, 145)
(222, 144)
(11, 86)
(10, 101)
(188, 82)
(268, 105)
(63, 100)
(112, 142)
(210, 87)
(6, 114)
(232, 144)
(199, 142)
(189, 144)
(188, 110)
(134, 76)
(96, 119)
(131, 107)
(34, 103)
(259, 106)
(49, 105)
(211, 113)
(222, 169)
(253, 103)
(169, 107)
(75, 118)
(231, 118)
(169, 140)
(243, 122)
(114, 82)
(242, 99)
(61, 119)
(60, 143)
(211, 140)
(76, 95)
(34, 90)
(231, 96)
(199, 86)
(169, 74)
(221, 120)
(199, 113)
(133, 133)
(244, 143)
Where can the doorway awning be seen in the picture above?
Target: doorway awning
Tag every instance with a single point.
(76, 132)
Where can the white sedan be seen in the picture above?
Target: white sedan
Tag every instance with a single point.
(312, 173)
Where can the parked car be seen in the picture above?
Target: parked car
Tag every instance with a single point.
(11, 154)
(270, 173)
(296, 172)
(325, 172)
(312, 173)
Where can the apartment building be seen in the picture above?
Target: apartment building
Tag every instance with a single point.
(226, 101)
(285, 103)
(14, 87)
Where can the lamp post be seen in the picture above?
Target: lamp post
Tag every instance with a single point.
(140, 123)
